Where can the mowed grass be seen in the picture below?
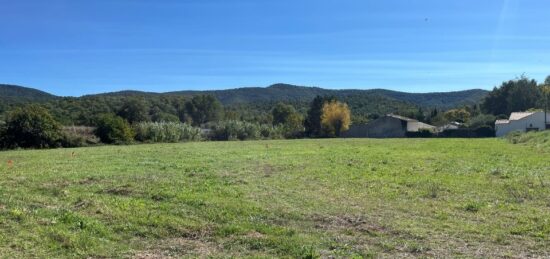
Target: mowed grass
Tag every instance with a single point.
(296, 198)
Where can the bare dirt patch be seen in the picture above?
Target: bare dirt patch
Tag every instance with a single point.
(267, 170)
(348, 222)
(255, 234)
(124, 190)
(180, 247)
(88, 180)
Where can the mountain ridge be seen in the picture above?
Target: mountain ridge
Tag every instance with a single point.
(21, 92)
(273, 93)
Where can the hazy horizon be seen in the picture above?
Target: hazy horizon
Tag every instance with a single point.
(70, 48)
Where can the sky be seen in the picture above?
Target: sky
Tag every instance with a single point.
(78, 47)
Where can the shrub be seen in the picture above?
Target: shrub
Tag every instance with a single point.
(166, 132)
(79, 136)
(482, 120)
(422, 133)
(457, 133)
(536, 139)
(516, 137)
(112, 129)
(2, 134)
(31, 127)
(484, 132)
(289, 131)
(480, 132)
(276, 132)
(73, 140)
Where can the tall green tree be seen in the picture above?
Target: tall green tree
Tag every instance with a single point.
(514, 95)
(134, 110)
(203, 109)
(524, 95)
(285, 115)
(159, 115)
(312, 123)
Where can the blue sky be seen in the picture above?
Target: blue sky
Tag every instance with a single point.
(77, 47)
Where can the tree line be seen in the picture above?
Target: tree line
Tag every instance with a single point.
(125, 118)
(201, 117)
(516, 95)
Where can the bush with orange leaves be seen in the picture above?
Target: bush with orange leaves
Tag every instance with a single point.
(335, 119)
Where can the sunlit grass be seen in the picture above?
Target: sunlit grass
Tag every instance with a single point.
(403, 197)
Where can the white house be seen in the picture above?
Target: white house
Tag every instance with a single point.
(523, 121)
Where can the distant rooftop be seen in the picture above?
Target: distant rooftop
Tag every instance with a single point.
(520, 115)
(515, 116)
(400, 117)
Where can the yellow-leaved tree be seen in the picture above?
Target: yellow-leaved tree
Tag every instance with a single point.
(336, 118)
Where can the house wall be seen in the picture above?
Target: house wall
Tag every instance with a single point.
(534, 121)
(387, 127)
(356, 131)
(384, 127)
(415, 126)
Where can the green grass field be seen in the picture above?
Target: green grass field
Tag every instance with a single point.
(300, 198)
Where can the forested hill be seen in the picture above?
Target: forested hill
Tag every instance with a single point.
(274, 93)
(11, 95)
(285, 92)
(254, 103)
(20, 94)
(440, 99)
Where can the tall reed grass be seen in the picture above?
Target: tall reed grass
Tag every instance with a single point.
(166, 132)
